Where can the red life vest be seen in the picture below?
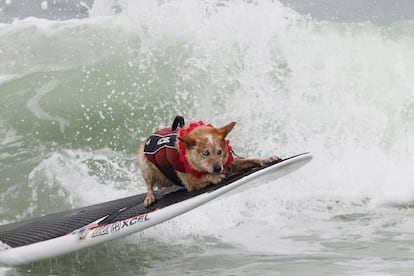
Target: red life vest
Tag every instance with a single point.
(160, 148)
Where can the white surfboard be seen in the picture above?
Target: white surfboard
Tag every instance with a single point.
(61, 233)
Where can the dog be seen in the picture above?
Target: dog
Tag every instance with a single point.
(193, 156)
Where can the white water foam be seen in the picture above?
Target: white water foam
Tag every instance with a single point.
(4, 246)
(4, 271)
(82, 178)
(5, 78)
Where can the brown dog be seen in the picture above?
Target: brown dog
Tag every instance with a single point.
(194, 156)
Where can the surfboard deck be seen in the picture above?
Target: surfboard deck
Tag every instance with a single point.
(64, 232)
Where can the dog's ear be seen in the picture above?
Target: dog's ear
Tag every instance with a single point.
(187, 141)
(226, 129)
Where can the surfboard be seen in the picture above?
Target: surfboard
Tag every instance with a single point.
(68, 231)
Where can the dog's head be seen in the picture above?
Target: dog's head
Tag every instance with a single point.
(206, 148)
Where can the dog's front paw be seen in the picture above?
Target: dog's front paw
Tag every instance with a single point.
(149, 199)
(217, 178)
(270, 160)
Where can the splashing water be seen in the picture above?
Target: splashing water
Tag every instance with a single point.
(78, 96)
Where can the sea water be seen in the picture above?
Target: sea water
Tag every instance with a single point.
(78, 96)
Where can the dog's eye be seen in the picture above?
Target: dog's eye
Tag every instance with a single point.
(219, 152)
(205, 153)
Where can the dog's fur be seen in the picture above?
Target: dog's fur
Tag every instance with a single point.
(206, 151)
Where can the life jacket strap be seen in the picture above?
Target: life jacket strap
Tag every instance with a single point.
(178, 122)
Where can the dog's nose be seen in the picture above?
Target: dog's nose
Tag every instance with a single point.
(216, 169)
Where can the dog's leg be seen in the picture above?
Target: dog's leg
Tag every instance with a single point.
(152, 179)
(150, 198)
(149, 176)
(243, 164)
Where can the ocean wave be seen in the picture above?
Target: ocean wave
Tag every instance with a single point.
(341, 91)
